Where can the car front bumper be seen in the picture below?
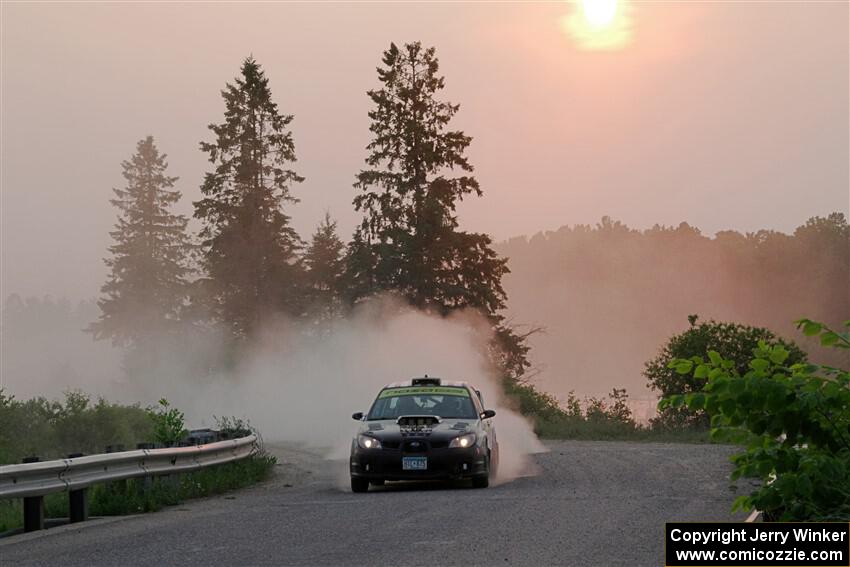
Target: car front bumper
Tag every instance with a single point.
(386, 464)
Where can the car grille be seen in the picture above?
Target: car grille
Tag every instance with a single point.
(415, 446)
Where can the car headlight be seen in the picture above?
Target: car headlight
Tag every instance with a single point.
(367, 442)
(463, 441)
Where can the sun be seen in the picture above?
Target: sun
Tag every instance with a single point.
(599, 24)
(599, 13)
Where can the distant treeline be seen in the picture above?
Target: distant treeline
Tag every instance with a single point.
(609, 296)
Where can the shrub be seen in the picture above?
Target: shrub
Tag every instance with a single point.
(54, 429)
(599, 419)
(733, 341)
(793, 417)
(169, 425)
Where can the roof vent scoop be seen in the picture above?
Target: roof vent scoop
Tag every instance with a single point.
(418, 422)
(425, 381)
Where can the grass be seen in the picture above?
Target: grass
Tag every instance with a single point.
(594, 420)
(604, 430)
(133, 497)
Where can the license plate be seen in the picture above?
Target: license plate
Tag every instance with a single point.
(414, 463)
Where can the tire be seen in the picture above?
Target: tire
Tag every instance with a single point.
(359, 484)
(377, 482)
(482, 481)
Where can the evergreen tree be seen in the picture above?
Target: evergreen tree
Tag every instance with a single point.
(409, 241)
(360, 262)
(410, 193)
(146, 288)
(325, 265)
(250, 249)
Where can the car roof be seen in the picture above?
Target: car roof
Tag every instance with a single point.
(409, 383)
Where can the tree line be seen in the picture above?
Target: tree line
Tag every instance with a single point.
(608, 279)
(248, 265)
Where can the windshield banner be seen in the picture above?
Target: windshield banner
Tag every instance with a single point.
(418, 390)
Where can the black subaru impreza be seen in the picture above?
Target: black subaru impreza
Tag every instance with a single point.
(425, 429)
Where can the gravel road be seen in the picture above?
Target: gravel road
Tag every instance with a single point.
(590, 503)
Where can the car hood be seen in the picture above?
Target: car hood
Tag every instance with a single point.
(446, 429)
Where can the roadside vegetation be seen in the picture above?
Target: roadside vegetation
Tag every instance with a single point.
(52, 429)
(611, 417)
(791, 417)
(135, 497)
(592, 418)
(56, 429)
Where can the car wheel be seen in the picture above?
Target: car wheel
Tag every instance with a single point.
(482, 481)
(359, 484)
(377, 482)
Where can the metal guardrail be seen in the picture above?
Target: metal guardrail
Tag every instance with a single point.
(31, 481)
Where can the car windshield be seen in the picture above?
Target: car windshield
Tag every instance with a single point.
(445, 402)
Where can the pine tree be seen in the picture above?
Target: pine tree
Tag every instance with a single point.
(410, 194)
(409, 241)
(146, 288)
(360, 262)
(325, 265)
(250, 249)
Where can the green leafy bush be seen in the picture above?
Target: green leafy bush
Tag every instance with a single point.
(53, 429)
(169, 425)
(733, 341)
(793, 417)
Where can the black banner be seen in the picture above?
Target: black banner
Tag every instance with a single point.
(757, 544)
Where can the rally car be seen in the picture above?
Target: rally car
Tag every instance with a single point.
(424, 429)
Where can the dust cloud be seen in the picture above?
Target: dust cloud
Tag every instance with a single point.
(297, 387)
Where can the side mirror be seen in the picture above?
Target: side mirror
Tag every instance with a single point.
(358, 416)
(487, 414)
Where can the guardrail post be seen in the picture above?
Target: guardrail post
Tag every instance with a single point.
(144, 485)
(33, 507)
(78, 501)
(78, 505)
(33, 513)
(116, 486)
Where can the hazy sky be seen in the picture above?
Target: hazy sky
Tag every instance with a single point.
(727, 115)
